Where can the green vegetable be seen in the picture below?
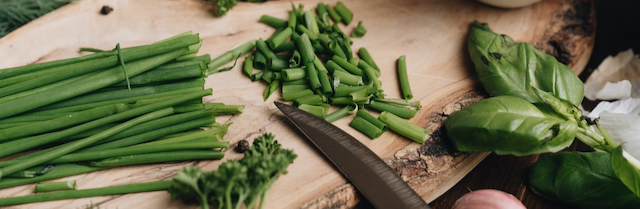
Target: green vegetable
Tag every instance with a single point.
(232, 54)
(402, 111)
(73, 146)
(91, 83)
(273, 21)
(505, 67)
(341, 113)
(508, 125)
(586, 180)
(223, 6)
(403, 127)
(625, 167)
(403, 78)
(344, 13)
(55, 186)
(235, 182)
(157, 157)
(359, 31)
(112, 190)
(333, 14)
(366, 127)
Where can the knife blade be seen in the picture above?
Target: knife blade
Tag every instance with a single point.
(369, 174)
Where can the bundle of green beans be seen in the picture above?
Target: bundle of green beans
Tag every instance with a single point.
(127, 106)
(311, 60)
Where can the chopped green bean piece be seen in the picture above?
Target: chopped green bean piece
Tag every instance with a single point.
(293, 74)
(273, 21)
(366, 127)
(278, 64)
(337, 50)
(259, 60)
(332, 67)
(313, 109)
(273, 86)
(364, 55)
(341, 113)
(343, 91)
(311, 100)
(280, 38)
(344, 13)
(293, 21)
(55, 186)
(323, 16)
(295, 59)
(262, 46)
(403, 78)
(311, 22)
(404, 127)
(333, 14)
(364, 114)
(288, 88)
(347, 66)
(285, 47)
(290, 96)
(396, 110)
(247, 68)
(348, 78)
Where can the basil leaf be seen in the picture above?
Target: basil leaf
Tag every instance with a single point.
(584, 179)
(625, 170)
(508, 125)
(505, 67)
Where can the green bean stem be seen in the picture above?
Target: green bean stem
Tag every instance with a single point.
(347, 66)
(344, 13)
(403, 78)
(290, 96)
(364, 114)
(55, 186)
(293, 74)
(160, 157)
(404, 127)
(273, 21)
(313, 109)
(396, 110)
(91, 83)
(280, 38)
(366, 127)
(364, 55)
(247, 68)
(73, 146)
(232, 54)
(57, 123)
(111, 190)
(340, 113)
(333, 14)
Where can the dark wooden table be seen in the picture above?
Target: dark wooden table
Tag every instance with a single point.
(617, 29)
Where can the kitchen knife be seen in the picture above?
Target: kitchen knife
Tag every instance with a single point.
(375, 180)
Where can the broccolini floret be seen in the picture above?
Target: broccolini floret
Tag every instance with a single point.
(236, 182)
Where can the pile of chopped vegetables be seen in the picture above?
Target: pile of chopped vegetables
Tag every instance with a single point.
(310, 59)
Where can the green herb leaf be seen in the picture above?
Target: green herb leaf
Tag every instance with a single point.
(508, 125)
(505, 67)
(625, 168)
(582, 179)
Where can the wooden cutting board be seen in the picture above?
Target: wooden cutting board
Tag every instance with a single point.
(431, 33)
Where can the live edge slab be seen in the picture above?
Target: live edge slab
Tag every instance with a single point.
(431, 34)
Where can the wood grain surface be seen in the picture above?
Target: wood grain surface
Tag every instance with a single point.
(432, 35)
